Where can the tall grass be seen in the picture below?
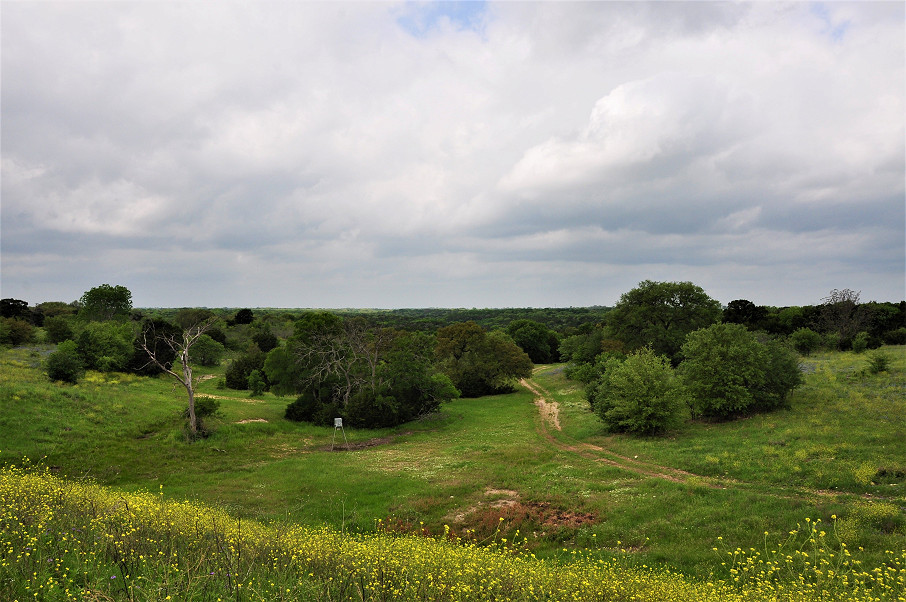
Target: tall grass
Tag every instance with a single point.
(65, 540)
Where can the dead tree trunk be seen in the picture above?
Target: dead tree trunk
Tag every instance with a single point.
(181, 346)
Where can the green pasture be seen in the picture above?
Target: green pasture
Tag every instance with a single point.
(838, 451)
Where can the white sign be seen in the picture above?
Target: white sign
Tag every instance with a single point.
(337, 423)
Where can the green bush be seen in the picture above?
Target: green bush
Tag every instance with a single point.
(256, 383)
(14, 331)
(805, 340)
(860, 342)
(640, 395)
(58, 329)
(878, 362)
(65, 364)
(728, 372)
(206, 351)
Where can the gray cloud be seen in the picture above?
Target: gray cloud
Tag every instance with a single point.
(489, 154)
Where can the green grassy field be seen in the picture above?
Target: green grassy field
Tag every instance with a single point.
(839, 451)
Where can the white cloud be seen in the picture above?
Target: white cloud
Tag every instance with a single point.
(386, 153)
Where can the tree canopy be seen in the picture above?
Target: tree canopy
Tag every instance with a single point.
(661, 314)
(106, 302)
(479, 362)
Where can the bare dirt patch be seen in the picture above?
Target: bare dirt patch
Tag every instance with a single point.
(248, 420)
(242, 399)
(355, 445)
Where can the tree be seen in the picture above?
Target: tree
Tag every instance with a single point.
(190, 316)
(728, 372)
(238, 372)
(372, 377)
(256, 383)
(180, 347)
(805, 340)
(480, 363)
(65, 364)
(58, 329)
(15, 308)
(106, 302)
(244, 316)
(842, 315)
(660, 315)
(105, 346)
(158, 334)
(781, 375)
(640, 395)
(743, 311)
(14, 331)
(537, 340)
(207, 352)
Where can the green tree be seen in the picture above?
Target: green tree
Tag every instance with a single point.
(15, 308)
(156, 335)
(537, 340)
(106, 302)
(256, 383)
(65, 364)
(728, 372)
(58, 329)
(640, 395)
(721, 367)
(660, 315)
(781, 375)
(207, 352)
(743, 311)
(480, 363)
(238, 372)
(187, 317)
(14, 331)
(244, 316)
(805, 341)
(105, 346)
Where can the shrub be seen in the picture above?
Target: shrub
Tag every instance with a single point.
(728, 372)
(65, 364)
(896, 337)
(238, 372)
(782, 375)
(805, 340)
(878, 362)
(256, 383)
(860, 342)
(58, 329)
(206, 351)
(639, 395)
(14, 331)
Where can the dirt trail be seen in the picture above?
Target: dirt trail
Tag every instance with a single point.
(651, 469)
(549, 413)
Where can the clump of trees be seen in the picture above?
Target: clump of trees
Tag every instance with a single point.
(479, 362)
(682, 355)
(639, 395)
(344, 369)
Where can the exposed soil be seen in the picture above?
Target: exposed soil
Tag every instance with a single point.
(550, 419)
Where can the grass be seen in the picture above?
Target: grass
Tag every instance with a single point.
(838, 451)
(62, 540)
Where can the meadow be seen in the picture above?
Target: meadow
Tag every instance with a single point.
(809, 499)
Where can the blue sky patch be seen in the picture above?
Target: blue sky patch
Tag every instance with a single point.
(420, 18)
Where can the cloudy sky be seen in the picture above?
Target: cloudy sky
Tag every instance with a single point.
(383, 154)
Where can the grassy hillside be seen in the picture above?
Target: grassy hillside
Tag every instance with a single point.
(838, 456)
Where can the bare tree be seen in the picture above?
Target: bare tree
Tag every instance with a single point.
(180, 345)
(842, 313)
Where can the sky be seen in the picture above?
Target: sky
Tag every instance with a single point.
(461, 154)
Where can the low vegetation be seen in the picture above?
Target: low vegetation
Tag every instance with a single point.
(720, 465)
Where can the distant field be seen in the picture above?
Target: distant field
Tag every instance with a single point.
(839, 451)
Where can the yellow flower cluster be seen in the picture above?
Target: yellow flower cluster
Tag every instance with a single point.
(62, 540)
